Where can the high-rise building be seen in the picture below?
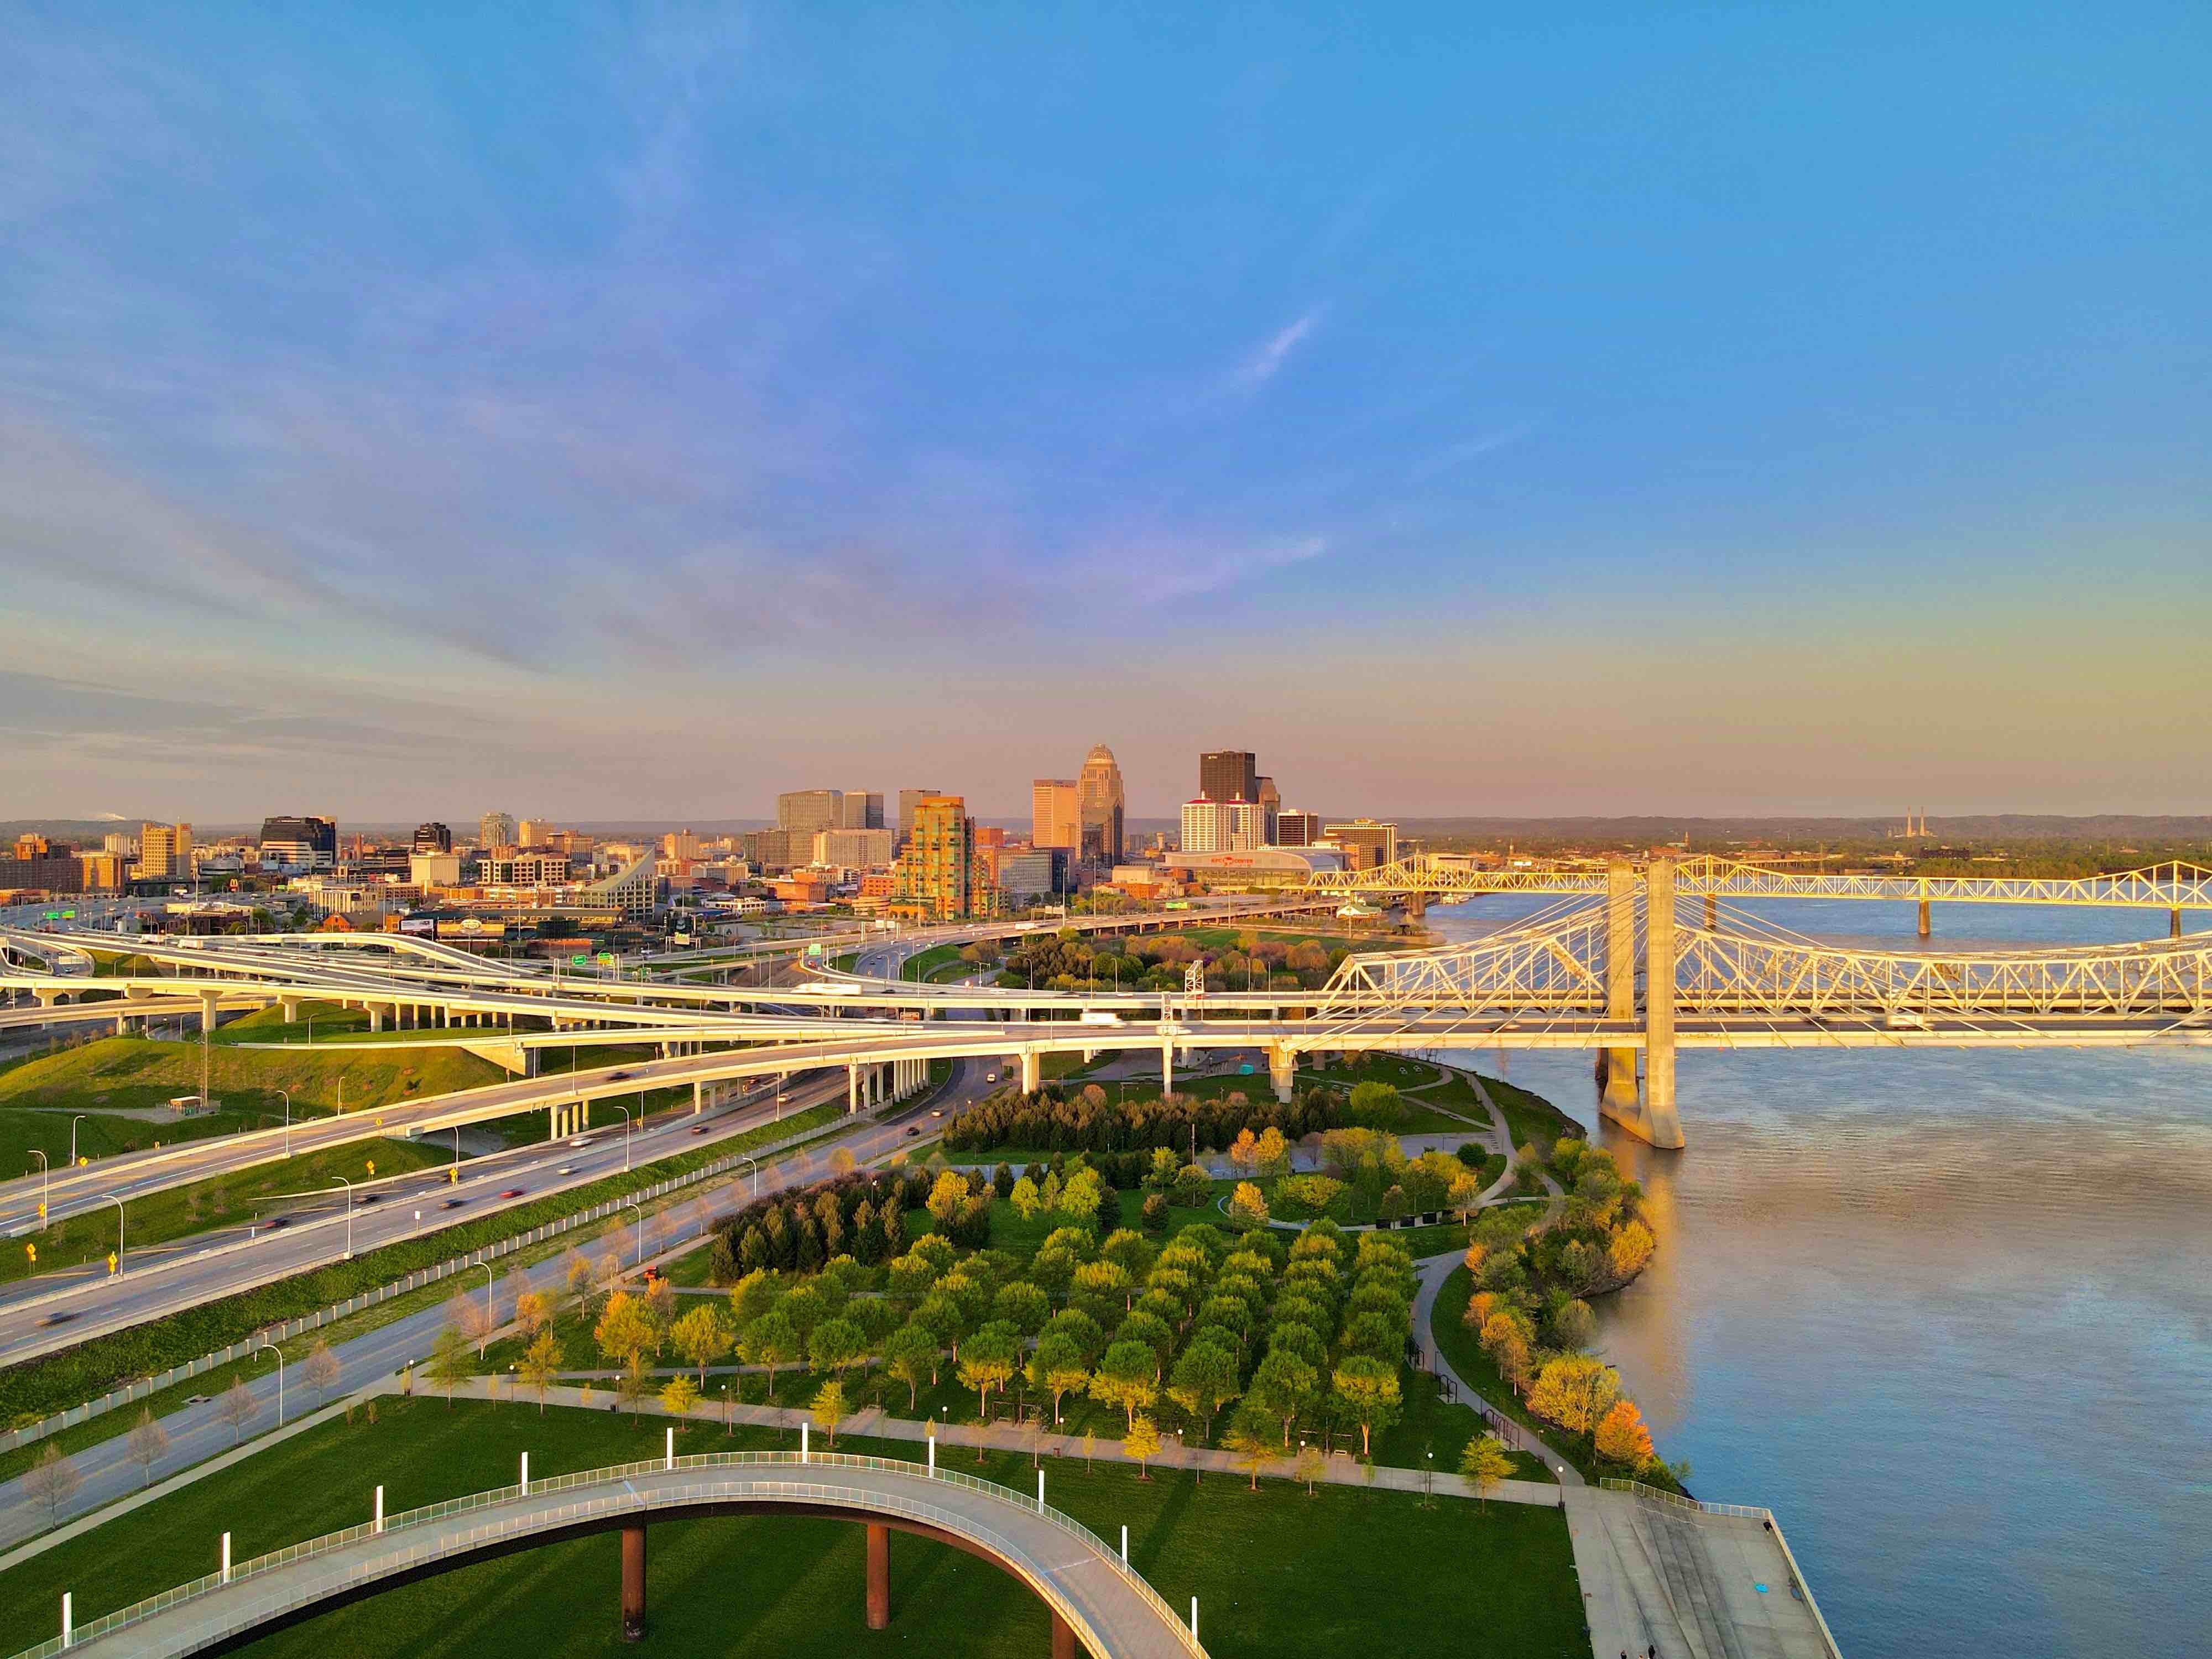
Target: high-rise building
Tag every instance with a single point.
(1228, 774)
(1267, 795)
(495, 830)
(300, 843)
(1055, 817)
(1222, 826)
(908, 799)
(433, 838)
(103, 872)
(853, 850)
(1099, 805)
(935, 877)
(123, 844)
(1367, 842)
(809, 812)
(33, 847)
(1041, 872)
(533, 832)
(1296, 829)
(165, 851)
(861, 809)
(679, 844)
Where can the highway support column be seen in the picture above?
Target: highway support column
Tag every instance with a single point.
(852, 1086)
(208, 1000)
(1618, 1070)
(880, 1577)
(1282, 1070)
(1032, 1071)
(633, 1583)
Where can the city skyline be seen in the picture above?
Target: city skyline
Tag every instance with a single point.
(1636, 415)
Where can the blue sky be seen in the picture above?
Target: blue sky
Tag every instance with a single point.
(639, 411)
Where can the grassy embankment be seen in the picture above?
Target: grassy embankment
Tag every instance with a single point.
(1277, 1573)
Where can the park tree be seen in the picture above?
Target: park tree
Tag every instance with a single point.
(449, 1367)
(1575, 1391)
(1026, 1199)
(946, 1197)
(1284, 1386)
(1272, 1153)
(1142, 1442)
(752, 1296)
(576, 1275)
(1311, 1466)
(1463, 1195)
(540, 1363)
(52, 1481)
(829, 1408)
(626, 1332)
(1057, 1367)
(1622, 1437)
(770, 1341)
(678, 1395)
(470, 1317)
(989, 1360)
(1127, 1378)
(703, 1336)
(1130, 1251)
(836, 1346)
(1022, 1304)
(910, 1354)
(320, 1373)
(1203, 1380)
(1247, 1207)
(149, 1444)
(533, 1311)
(1251, 1444)
(1367, 1391)
(1573, 1323)
(1629, 1250)
(1375, 1106)
(1485, 1461)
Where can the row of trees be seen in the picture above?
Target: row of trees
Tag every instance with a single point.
(1529, 1312)
(1090, 1120)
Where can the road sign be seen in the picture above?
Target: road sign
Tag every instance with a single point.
(32, 1251)
(606, 958)
(813, 950)
(580, 961)
(69, 915)
(53, 915)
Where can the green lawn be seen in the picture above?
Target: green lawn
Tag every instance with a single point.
(925, 967)
(1277, 1574)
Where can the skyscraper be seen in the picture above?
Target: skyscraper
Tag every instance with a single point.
(1222, 826)
(305, 843)
(935, 877)
(1228, 774)
(1296, 829)
(495, 830)
(433, 838)
(1054, 817)
(809, 812)
(165, 851)
(908, 799)
(861, 809)
(1366, 842)
(1099, 806)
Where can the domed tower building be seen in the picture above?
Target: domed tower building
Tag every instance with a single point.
(1099, 804)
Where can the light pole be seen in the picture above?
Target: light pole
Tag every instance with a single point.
(348, 1185)
(756, 1164)
(117, 1203)
(625, 1110)
(287, 1093)
(279, 1352)
(486, 1266)
(640, 1235)
(47, 1184)
(74, 1122)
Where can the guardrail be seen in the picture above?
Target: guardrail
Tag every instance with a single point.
(1797, 1581)
(626, 1501)
(132, 1392)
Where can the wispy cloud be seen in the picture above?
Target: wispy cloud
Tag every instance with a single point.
(1263, 365)
(1454, 455)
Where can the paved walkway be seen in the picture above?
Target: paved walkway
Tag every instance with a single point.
(1112, 1611)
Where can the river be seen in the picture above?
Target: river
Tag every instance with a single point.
(1948, 1314)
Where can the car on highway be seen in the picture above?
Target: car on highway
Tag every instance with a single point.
(370, 1198)
(937, 1111)
(59, 1316)
(581, 1140)
(453, 1204)
(511, 1192)
(618, 1077)
(566, 1169)
(275, 1222)
(912, 1130)
(699, 1128)
(990, 1077)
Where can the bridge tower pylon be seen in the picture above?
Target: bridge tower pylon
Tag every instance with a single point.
(1652, 1118)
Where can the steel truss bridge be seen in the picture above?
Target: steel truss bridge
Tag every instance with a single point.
(1635, 972)
(2171, 887)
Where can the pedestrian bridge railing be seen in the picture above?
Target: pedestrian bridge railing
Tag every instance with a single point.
(607, 1493)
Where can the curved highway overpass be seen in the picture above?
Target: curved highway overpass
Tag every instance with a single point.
(1096, 1599)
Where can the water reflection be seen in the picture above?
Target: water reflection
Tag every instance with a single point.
(1949, 1313)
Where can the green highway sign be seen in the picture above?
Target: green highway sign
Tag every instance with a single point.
(53, 915)
(579, 962)
(69, 915)
(607, 959)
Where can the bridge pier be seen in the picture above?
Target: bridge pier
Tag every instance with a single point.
(1616, 1067)
(1654, 1119)
(1167, 1069)
(2174, 930)
(1063, 1638)
(880, 1577)
(1926, 926)
(633, 1583)
(291, 1006)
(1712, 913)
(852, 1086)
(1282, 1070)
(1032, 1072)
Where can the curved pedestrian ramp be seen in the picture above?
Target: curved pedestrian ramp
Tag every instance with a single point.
(1097, 1601)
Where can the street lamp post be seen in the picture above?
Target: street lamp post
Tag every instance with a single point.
(287, 1093)
(756, 1164)
(117, 1203)
(625, 1110)
(486, 1266)
(74, 1122)
(46, 1182)
(348, 1185)
(279, 1352)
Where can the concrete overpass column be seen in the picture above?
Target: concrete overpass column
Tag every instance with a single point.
(1063, 1638)
(375, 1016)
(698, 1098)
(1662, 1126)
(1282, 1070)
(880, 1577)
(1032, 1072)
(291, 1010)
(633, 1583)
(1617, 1066)
(852, 1086)
(1166, 1067)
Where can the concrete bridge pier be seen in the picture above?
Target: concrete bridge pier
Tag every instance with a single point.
(1032, 1072)
(1926, 927)
(291, 1006)
(852, 1086)
(880, 1577)
(2174, 931)
(1167, 1069)
(1282, 1070)
(633, 1583)
(1654, 1119)
(1616, 1067)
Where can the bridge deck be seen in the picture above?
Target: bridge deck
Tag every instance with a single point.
(1113, 1611)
